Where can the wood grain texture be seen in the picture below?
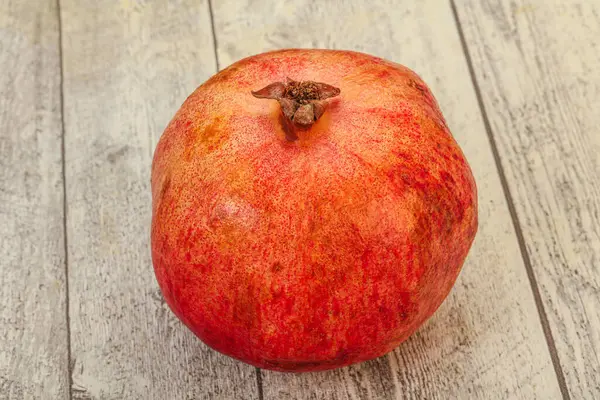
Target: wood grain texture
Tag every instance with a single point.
(486, 340)
(537, 63)
(33, 323)
(128, 65)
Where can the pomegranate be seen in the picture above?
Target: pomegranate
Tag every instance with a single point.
(311, 209)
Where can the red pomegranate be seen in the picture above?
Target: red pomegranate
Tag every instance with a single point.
(316, 222)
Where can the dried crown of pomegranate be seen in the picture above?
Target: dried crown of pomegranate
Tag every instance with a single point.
(301, 101)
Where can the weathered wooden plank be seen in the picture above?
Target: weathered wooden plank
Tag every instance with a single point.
(537, 63)
(486, 341)
(128, 66)
(33, 323)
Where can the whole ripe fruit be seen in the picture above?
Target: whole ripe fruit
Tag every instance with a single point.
(317, 229)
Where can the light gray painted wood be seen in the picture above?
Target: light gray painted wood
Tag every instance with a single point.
(538, 65)
(486, 340)
(33, 323)
(128, 65)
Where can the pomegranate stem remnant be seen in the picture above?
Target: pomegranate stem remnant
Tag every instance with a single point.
(301, 102)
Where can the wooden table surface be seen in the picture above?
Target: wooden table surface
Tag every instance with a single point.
(86, 89)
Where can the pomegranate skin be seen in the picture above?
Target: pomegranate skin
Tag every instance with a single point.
(320, 252)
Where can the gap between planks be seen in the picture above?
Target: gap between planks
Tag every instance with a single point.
(65, 203)
(513, 214)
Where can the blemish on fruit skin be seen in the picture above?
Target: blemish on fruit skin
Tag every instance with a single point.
(276, 267)
(446, 177)
(421, 88)
(383, 74)
(241, 288)
(165, 186)
(228, 74)
(205, 140)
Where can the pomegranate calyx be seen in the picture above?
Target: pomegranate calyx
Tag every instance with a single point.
(301, 101)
